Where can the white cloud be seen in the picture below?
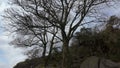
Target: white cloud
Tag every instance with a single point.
(3, 5)
(11, 55)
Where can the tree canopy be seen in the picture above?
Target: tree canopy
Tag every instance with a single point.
(47, 22)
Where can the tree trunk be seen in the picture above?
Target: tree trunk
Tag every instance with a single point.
(49, 55)
(44, 51)
(43, 55)
(66, 61)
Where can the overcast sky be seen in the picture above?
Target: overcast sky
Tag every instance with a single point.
(10, 56)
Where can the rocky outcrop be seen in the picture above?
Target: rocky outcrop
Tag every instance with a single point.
(95, 62)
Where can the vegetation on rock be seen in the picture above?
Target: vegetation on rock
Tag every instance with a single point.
(103, 43)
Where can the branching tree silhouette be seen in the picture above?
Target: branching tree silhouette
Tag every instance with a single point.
(56, 18)
(37, 38)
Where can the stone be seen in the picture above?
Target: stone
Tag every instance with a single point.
(95, 62)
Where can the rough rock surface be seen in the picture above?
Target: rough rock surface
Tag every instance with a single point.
(95, 62)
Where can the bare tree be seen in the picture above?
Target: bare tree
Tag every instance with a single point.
(31, 33)
(46, 15)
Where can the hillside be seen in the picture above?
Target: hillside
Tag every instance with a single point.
(90, 42)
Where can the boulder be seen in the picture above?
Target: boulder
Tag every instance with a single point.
(95, 62)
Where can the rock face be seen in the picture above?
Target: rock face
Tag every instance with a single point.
(95, 62)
